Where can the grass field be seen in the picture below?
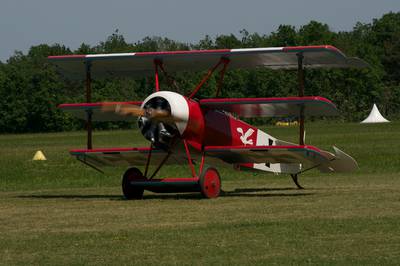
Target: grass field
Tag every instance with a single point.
(59, 212)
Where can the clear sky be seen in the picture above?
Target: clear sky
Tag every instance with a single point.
(24, 23)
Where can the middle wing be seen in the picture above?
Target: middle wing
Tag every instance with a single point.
(80, 110)
(273, 107)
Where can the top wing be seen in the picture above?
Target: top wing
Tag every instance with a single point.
(142, 63)
(273, 107)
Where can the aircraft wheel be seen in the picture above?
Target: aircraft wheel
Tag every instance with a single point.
(210, 183)
(129, 190)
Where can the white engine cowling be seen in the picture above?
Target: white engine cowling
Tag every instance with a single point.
(188, 120)
(178, 107)
(162, 133)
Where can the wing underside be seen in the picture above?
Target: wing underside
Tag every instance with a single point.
(273, 107)
(266, 154)
(308, 157)
(288, 156)
(142, 63)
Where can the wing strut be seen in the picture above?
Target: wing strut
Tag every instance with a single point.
(221, 77)
(157, 83)
(300, 77)
(89, 100)
(224, 61)
(160, 165)
(170, 80)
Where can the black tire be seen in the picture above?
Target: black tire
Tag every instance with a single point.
(129, 190)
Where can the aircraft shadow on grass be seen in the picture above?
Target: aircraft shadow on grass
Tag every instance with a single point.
(239, 192)
(264, 192)
(71, 196)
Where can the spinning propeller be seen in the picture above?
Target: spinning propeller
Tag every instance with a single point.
(154, 114)
(155, 120)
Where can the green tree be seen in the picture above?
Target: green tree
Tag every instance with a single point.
(31, 88)
(315, 33)
(227, 41)
(286, 35)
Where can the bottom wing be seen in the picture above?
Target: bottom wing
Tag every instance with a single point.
(125, 156)
(266, 154)
(280, 159)
(290, 158)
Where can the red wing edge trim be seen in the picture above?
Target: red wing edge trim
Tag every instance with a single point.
(312, 48)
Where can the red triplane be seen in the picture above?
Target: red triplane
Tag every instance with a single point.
(183, 129)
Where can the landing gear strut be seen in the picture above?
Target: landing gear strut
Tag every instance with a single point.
(294, 178)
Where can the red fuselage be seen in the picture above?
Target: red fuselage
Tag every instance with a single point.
(208, 127)
(202, 126)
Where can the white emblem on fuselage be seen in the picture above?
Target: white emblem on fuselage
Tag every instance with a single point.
(245, 136)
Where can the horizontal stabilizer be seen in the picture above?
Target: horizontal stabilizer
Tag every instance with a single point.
(338, 162)
(81, 110)
(273, 107)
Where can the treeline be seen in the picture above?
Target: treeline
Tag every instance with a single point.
(30, 88)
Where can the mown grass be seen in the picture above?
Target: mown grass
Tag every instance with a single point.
(60, 212)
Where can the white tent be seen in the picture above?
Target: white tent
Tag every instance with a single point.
(375, 116)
